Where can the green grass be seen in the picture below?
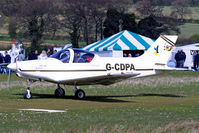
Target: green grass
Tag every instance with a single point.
(165, 103)
(194, 12)
(5, 37)
(188, 30)
(167, 11)
(55, 42)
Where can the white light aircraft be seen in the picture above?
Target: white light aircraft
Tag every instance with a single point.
(77, 67)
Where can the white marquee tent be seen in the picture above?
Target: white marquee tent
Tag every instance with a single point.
(188, 49)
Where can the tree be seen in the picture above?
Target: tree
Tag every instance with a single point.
(33, 17)
(75, 34)
(150, 27)
(9, 9)
(35, 20)
(98, 15)
(193, 2)
(146, 8)
(111, 23)
(1, 20)
(53, 27)
(71, 21)
(12, 27)
(180, 9)
(128, 22)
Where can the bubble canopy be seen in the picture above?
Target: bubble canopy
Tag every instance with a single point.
(73, 56)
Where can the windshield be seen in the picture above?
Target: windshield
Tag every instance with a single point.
(63, 55)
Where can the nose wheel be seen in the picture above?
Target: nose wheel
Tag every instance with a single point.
(28, 94)
(59, 92)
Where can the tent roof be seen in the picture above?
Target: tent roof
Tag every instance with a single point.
(124, 40)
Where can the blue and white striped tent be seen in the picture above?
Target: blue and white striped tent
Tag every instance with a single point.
(124, 40)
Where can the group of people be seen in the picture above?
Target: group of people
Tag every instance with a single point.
(33, 55)
(6, 59)
(180, 58)
(130, 55)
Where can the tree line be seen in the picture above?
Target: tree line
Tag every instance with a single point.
(89, 20)
(170, 2)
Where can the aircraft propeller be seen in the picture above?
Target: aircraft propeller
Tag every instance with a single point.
(8, 81)
(9, 74)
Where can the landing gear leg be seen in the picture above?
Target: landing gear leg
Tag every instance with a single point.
(28, 94)
(59, 92)
(79, 94)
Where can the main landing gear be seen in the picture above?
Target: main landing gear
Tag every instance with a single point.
(79, 94)
(59, 92)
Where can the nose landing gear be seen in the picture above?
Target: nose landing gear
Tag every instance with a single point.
(28, 94)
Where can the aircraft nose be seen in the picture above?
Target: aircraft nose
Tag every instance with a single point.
(12, 66)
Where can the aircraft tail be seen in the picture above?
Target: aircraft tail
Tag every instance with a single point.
(160, 51)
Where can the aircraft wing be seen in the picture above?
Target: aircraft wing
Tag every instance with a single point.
(105, 79)
(114, 77)
(170, 69)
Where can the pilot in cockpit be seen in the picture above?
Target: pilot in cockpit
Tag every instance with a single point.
(77, 58)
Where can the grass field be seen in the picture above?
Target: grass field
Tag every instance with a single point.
(164, 103)
(194, 12)
(188, 30)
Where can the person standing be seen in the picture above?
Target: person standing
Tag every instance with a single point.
(177, 59)
(129, 55)
(43, 55)
(1, 61)
(48, 52)
(1, 58)
(196, 62)
(30, 55)
(35, 55)
(182, 58)
(21, 56)
(7, 59)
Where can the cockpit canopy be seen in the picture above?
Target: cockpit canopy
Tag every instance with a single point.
(73, 56)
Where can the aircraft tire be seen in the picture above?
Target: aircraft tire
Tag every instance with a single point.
(59, 92)
(80, 94)
(27, 96)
